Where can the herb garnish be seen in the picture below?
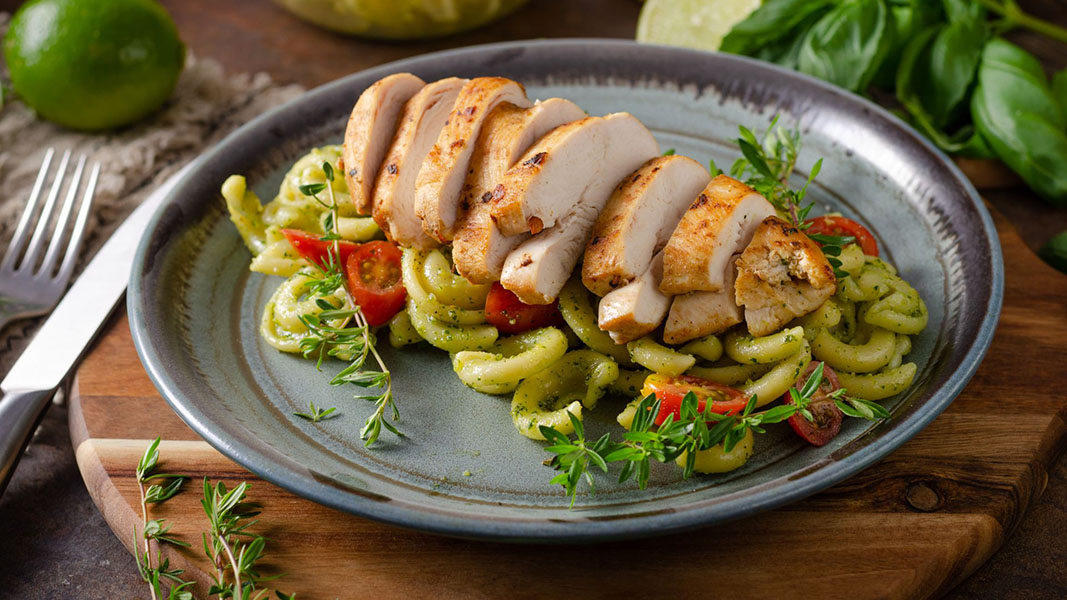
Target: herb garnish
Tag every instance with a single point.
(316, 414)
(232, 547)
(156, 529)
(766, 165)
(693, 431)
(354, 343)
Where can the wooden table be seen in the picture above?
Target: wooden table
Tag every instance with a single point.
(253, 35)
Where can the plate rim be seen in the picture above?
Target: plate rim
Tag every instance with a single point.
(412, 516)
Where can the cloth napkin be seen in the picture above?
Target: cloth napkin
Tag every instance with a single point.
(207, 104)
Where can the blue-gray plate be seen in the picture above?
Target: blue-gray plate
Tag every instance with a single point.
(462, 469)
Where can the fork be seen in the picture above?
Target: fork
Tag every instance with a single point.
(32, 286)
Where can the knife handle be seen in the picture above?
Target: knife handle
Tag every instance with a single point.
(20, 412)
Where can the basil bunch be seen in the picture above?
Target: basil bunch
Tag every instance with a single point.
(970, 92)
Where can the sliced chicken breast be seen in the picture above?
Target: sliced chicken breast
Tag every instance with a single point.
(781, 275)
(637, 308)
(440, 181)
(536, 270)
(697, 314)
(566, 164)
(478, 248)
(394, 190)
(370, 130)
(639, 219)
(718, 224)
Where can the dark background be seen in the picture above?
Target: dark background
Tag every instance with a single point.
(56, 545)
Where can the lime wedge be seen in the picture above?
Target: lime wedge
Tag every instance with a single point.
(691, 23)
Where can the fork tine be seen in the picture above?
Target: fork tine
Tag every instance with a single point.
(43, 222)
(49, 262)
(76, 235)
(14, 248)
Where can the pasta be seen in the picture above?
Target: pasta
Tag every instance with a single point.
(717, 460)
(401, 331)
(508, 361)
(879, 386)
(772, 384)
(576, 380)
(860, 358)
(280, 324)
(659, 358)
(744, 348)
(708, 348)
(579, 316)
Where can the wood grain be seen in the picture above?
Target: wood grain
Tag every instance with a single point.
(914, 525)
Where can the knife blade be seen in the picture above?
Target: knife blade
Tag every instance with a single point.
(68, 332)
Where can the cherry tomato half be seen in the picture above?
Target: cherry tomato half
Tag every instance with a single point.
(670, 391)
(830, 225)
(373, 275)
(827, 416)
(507, 313)
(318, 250)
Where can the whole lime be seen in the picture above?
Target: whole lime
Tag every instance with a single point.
(93, 64)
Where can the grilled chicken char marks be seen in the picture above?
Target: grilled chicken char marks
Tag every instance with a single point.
(718, 224)
(781, 275)
(394, 191)
(557, 191)
(638, 220)
(440, 181)
(478, 247)
(369, 132)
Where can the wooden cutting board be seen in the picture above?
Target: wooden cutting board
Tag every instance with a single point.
(914, 525)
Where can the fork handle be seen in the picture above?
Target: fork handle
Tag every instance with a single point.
(20, 412)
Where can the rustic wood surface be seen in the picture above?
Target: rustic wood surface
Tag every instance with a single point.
(912, 526)
(977, 499)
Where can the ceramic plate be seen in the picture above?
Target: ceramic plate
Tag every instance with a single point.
(463, 470)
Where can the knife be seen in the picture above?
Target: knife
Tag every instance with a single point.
(68, 332)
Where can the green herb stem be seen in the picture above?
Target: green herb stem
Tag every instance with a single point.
(1015, 15)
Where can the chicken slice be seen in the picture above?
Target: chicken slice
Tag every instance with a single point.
(370, 129)
(639, 219)
(718, 224)
(394, 191)
(566, 164)
(478, 248)
(439, 184)
(536, 270)
(637, 308)
(781, 275)
(697, 314)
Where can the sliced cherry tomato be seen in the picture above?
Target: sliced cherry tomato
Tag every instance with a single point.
(830, 225)
(506, 312)
(827, 416)
(373, 275)
(317, 250)
(670, 391)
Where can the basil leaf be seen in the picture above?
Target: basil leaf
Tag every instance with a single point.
(785, 51)
(773, 21)
(1015, 111)
(848, 45)
(1055, 252)
(909, 18)
(936, 73)
(1059, 89)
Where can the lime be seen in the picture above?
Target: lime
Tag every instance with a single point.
(93, 64)
(691, 23)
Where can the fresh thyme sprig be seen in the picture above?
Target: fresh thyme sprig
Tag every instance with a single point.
(316, 414)
(766, 165)
(156, 529)
(354, 343)
(694, 430)
(230, 546)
